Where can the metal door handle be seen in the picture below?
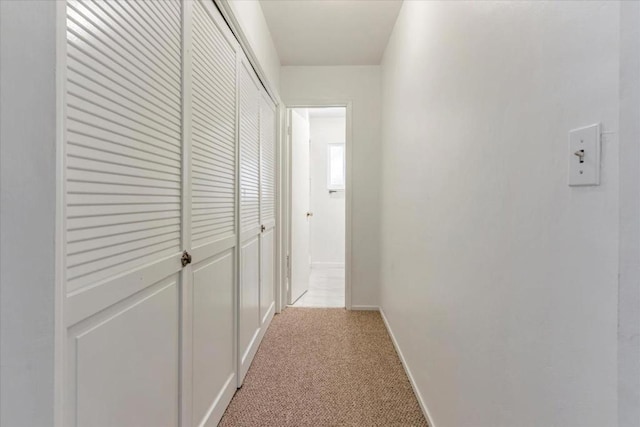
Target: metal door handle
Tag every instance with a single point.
(309, 214)
(262, 228)
(186, 258)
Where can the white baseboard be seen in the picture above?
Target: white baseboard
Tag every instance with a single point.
(365, 308)
(318, 264)
(416, 391)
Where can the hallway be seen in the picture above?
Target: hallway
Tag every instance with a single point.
(326, 289)
(321, 367)
(472, 168)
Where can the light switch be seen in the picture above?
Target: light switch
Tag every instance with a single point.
(584, 156)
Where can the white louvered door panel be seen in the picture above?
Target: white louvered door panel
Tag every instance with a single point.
(267, 207)
(249, 149)
(123, 212)
(213, 213)
(213, 132)
(249, 139)
(267, 160)
(123, 206)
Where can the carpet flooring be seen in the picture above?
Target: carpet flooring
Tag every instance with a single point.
(325, 367)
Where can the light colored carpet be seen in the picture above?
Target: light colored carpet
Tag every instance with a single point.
(325, 367)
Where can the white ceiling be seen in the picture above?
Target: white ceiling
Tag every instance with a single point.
(330, 32)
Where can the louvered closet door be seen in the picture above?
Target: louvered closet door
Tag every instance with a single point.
(267, 207)
(213, 214)
(122, 213)
(249, 303)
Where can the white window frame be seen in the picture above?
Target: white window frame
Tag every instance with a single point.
(331, 186)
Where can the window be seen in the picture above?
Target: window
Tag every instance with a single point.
(336, 167)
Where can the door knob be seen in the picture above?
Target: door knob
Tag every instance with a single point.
(309, 214)
(262, 228)
(185, 259)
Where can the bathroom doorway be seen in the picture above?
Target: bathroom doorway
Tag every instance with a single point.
(318, 206)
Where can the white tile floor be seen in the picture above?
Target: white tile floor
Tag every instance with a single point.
(326, 289)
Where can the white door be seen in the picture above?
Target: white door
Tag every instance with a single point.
(250, 226)
(150, 149)
(124, 222)
(209, 346)
(300, 203)
(257, 136)
(267, 208)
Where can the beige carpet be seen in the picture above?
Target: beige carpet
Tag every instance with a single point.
(325, 367)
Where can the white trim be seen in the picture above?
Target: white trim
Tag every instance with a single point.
(320, 264)
(185, 371)
(348, 188)
(227, 13)
(365, 308)
(278, 213)
(349, 204)
(285, 166)
(59, 373)
(405, 365)
(237, 352)
(331, 186)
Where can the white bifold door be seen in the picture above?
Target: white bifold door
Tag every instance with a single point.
(257, 215)
(167, 213)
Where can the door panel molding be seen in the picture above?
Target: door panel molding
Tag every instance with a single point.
(214, 366)
(142, 350)
(86, 302)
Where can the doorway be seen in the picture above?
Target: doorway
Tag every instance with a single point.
(318, 141)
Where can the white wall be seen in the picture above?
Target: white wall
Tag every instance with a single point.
(27, 212)
(254, 26)
(499, 281)
(328, 221)
(629, 293)
(361, 86)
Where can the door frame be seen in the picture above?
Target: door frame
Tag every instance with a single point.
(285, 173)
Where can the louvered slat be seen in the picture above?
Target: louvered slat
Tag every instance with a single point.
(123, 137)
(268, 160)
(213, 125)
(249, 151)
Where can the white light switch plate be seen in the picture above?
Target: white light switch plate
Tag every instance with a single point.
(586, 142)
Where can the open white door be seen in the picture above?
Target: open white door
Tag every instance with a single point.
(300, 214)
